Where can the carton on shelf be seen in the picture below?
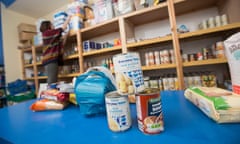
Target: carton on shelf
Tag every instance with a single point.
(23, 27)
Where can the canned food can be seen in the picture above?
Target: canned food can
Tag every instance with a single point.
(165, 84)
(146, 59)
(146, 82)
(118, 112)
(153, 83)
(160, 84)
(128, 72)
(149, 111)
(157, 57)
(151, 58)
(171, 83)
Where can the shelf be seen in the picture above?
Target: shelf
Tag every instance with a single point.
(28, 65)
(210, 31)
(105, 27)
(205, 62)
(73, 56)
(149, 41)
(194, 5)
(39, 63)
(61, 76)
(31, 78)
(150, 14)
(101, 51)
(42, 77)
(156, 67)
(28, 49)
(69, 75)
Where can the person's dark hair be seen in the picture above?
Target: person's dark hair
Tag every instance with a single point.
(45, 25)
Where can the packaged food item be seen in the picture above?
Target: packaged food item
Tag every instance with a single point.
(118, 111)
(128, 72)
(45, 104)
(232, 49)
(72, 98)
(149, 111)
(54, 94)
(220, 105)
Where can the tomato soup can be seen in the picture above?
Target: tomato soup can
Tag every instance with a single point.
(118, 112)
(128, 73)
(149, 111)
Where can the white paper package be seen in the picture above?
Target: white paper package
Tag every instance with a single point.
(232, 48)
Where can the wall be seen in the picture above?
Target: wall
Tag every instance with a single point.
(12, 59)
(231, 8)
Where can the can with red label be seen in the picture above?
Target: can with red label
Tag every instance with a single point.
(149, 111)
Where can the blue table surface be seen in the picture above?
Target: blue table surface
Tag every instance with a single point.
(183, 123)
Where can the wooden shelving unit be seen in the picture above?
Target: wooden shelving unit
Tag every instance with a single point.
(205, 62)
(210, 31)
(125, 26)
(102, 51)
(149, 42)
(158, 67)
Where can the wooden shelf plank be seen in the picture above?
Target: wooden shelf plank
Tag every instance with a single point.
(73, 56)
(209, 31)
(149, 41)
(28, 65)
(69, 75)
(189, 6)
(39, 63)
(42, 77)
(29, 78)
(156, 67)
(104, 50)
(205, 62)
(28, 49)
(105, 27)
(150, 14)
(62, 76)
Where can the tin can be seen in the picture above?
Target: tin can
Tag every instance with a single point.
(146, 59)
(153, 83)
(160, 84)
(128, 72)
(157, 57)
(149, 111)
(220, 50)
(151, 58)
(146, 82)
(118, 112)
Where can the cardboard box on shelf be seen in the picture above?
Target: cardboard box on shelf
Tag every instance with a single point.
(23, 27)
(24, 36)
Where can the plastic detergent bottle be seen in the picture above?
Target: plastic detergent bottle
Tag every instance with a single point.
(232, 48)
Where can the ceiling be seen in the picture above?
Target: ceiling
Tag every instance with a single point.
(37, 8)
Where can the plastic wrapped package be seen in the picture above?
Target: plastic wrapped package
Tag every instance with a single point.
(218, 104)
(102, 10)
(125, 6)
(45, 104)
(54, 94)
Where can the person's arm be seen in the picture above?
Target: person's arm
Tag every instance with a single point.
(66, 23)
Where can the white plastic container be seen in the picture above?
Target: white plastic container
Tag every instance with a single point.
(232, 48)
